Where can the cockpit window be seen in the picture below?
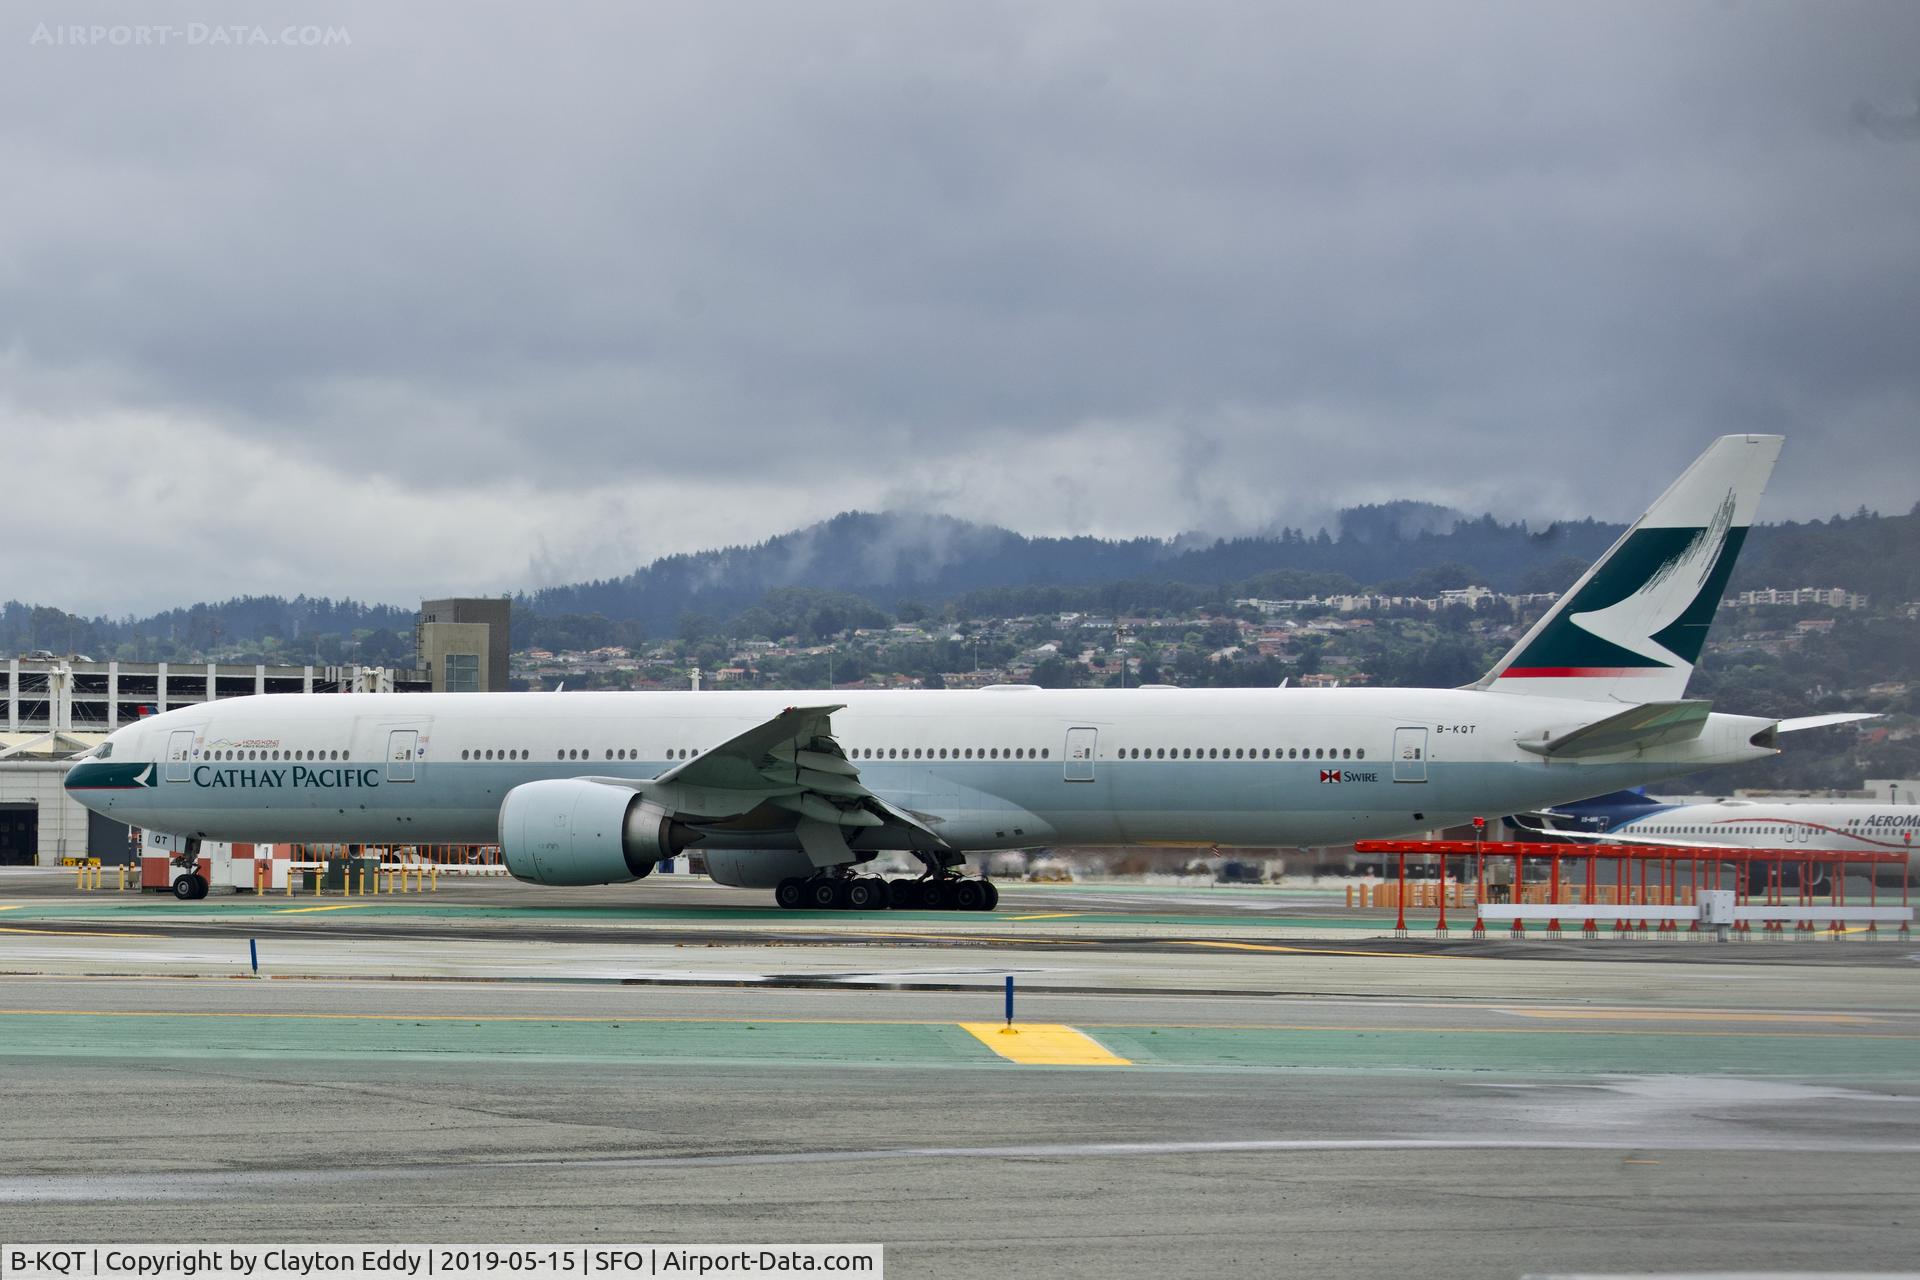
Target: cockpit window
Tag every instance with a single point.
(104, 750)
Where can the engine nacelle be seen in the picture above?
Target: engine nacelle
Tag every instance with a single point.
(565, 831)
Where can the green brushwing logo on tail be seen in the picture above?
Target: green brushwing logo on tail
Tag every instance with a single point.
(1646, 608)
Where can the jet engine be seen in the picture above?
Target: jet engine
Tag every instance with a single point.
(566, 831)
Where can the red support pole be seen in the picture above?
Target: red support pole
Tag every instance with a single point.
(1553, 921)
(1873, 899)
(1906, 874)
(1441, 925)
(1669, 878)
(1693, 892)
(1778, 894)
(1806, 891)
(1479, 884)
(1519, 878)
(1587, 928)
(1620, 895)
(1643, 892)
(1837, 895)
(1400, 929)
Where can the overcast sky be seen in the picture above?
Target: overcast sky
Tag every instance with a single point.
(486, 298)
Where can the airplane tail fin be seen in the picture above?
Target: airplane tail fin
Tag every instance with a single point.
(1631, 629)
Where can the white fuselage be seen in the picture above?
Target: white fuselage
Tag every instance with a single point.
(988, 769)
(1775, 824)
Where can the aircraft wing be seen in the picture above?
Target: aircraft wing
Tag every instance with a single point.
(793, 763)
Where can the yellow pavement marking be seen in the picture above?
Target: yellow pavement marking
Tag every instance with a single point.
(975, 937)
(1315, 951)
(1685, 1015)
(1057, 915)
(1044, 1044)
(15, 907)
(340, 906)
(74, 933)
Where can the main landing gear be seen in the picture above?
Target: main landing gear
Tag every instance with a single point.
(190, 887)
(871, 893)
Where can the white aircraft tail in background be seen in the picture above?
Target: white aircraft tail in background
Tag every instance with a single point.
(1632, 628)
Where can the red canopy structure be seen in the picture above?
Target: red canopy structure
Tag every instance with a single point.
(1645, 874)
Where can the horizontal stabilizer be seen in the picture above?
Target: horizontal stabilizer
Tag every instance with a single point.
(1651, 724)
(1821, 722)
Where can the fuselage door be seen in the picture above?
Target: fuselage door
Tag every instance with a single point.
(1410, 755)
(1081, 744)
(402, 746)
(180, 755)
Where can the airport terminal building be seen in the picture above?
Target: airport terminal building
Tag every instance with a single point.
(56, 707)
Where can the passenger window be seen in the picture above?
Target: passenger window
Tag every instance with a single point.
(1044, 752)
(1359, 753)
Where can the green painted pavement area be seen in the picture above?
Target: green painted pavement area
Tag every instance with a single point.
(1528, 1051)
(607, 1040)
(895, 1044)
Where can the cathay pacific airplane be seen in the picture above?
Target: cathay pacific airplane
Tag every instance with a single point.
(797, 792)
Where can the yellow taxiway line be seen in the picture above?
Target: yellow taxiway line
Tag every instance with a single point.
(1313, 951)
(338, 906)
(1055, 915)
(1044, 1044)
(73, 933)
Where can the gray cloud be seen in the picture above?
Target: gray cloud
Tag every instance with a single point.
(551, 296)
